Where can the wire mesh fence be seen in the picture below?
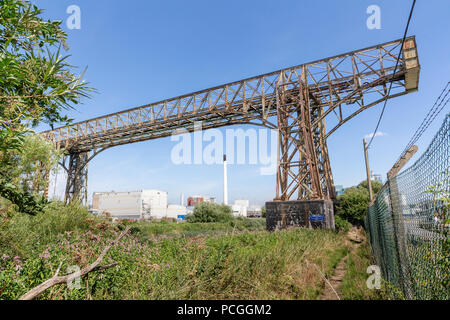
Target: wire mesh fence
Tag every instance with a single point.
(408, 224)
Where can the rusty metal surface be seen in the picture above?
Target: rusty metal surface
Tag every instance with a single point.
(299, 101)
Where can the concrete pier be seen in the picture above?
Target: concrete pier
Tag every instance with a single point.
(309, 213)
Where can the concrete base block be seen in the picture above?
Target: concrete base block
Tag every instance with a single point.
(309, 213)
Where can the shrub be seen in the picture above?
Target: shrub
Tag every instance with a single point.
(376, 186)
(260, 265)
(354, 203)
(210, 212)
(21, 232)
(342, 224)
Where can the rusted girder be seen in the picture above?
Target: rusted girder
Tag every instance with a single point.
(299, 101)
(77, 173)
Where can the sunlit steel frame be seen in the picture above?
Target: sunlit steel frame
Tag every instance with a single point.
(298, 101)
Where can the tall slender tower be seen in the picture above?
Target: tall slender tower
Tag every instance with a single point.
(225, 180)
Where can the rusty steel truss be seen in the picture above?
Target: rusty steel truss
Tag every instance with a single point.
(301, 102)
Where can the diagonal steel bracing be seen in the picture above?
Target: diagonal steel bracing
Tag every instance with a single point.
(302, 102)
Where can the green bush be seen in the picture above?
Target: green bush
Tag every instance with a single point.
(354, 203)
(21, 232)
(37, 85)
(376, 186)
(260, 265)
(210, 212)
(342, 224)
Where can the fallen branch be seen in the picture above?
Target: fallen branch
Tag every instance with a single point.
(2, 289)
(38, 290)
(100, 268)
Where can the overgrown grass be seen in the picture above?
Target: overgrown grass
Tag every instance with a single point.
(190, 265)
(354, 285)
(163, 229)
(246, 266)
(21, 233)
(342, 224)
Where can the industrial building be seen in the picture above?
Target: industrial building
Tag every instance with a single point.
(195, 200)
(376, 177)
(339, 190)
(254, 211)
(136, 205)
(240, 207)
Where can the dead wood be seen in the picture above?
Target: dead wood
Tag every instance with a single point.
(38, 290)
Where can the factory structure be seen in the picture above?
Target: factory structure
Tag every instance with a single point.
(195, 200)
(136, 205)
(153, 204)
(376, 177)
(242, 208)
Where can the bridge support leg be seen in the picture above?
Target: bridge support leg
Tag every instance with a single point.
(77, 172)
(304, 172)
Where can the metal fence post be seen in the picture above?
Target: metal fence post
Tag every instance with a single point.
(405, 225)
(400, 238)
(398, 225)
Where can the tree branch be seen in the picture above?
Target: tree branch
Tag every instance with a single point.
(38, 290)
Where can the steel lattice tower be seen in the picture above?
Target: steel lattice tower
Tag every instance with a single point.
(301, 102)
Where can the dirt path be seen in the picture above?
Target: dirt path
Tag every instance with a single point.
(335, 281)
(333, 284)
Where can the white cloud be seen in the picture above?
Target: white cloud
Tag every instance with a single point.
(378, 134)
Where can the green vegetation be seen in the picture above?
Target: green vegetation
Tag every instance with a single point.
(354, 285)
(235, 259)
(210, 212)
(376, 186)
(430, 258)
(427, 242)
(213, 256)
(237, 265)
(157, 230)
(354, 203)
(20, 233)
(36, 85)
(342, 224)
(23, 173)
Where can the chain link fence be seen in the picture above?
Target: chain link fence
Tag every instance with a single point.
(408, 225)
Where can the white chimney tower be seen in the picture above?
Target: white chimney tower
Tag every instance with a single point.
(225, 180)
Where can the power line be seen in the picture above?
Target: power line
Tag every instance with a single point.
(395, 70)
(437, 107)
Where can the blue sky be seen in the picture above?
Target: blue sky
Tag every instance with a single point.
(139, 52)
